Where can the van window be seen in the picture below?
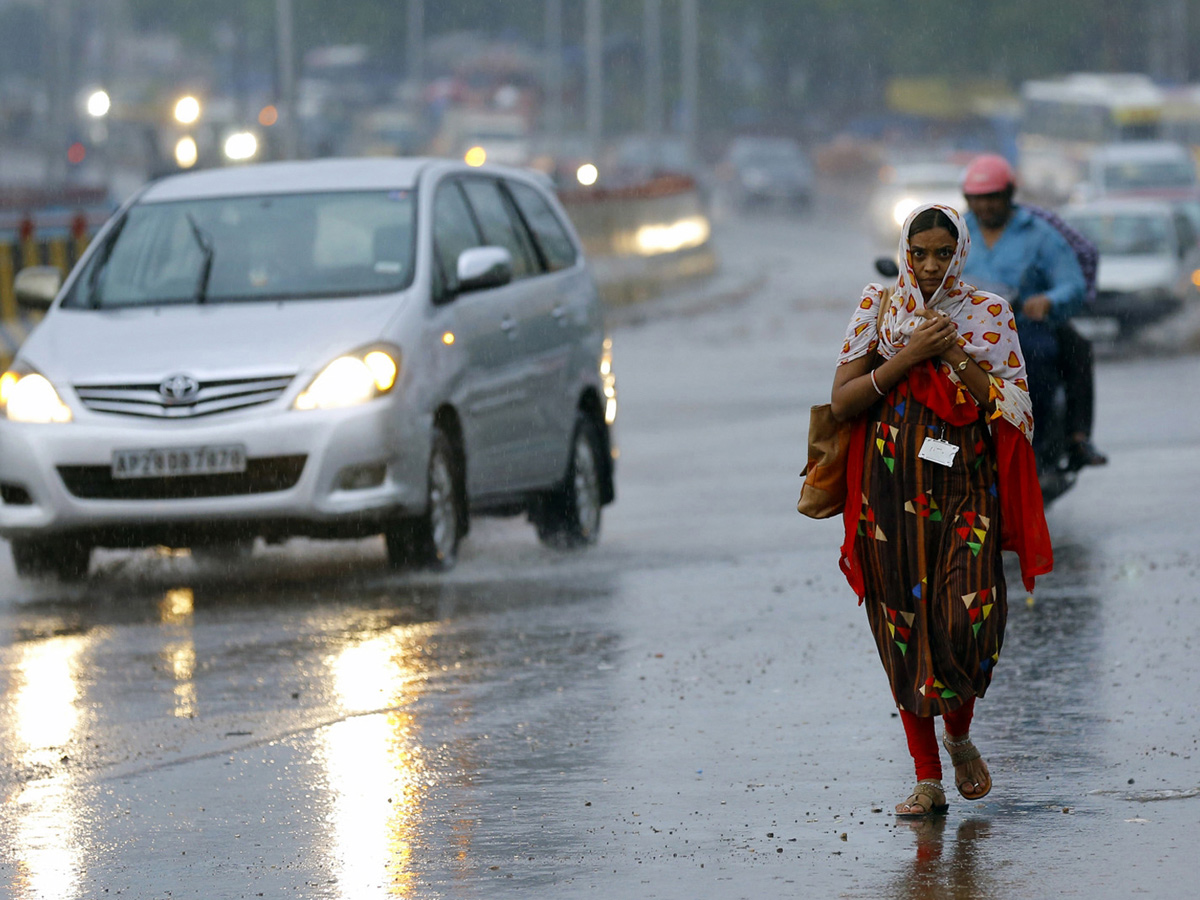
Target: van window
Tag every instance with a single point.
(269, 247)
(453, 230)
(500, 226)
(551, 236)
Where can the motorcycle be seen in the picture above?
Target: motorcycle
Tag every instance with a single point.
(1050, 445)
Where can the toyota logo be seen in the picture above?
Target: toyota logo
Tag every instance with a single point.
(179, 389)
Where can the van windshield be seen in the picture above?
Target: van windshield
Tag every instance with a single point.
(274, 247)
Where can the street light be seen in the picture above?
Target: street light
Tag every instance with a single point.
(98, 104)
(187, 110)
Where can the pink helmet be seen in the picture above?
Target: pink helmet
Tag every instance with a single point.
(988, 174)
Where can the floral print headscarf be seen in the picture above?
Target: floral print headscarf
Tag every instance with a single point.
(987, 330)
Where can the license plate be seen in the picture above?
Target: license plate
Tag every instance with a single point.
(216, 459)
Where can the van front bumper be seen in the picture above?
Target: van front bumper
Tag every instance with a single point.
(322, 473)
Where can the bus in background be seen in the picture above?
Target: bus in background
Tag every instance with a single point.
(1181, 117)
(1064, 120)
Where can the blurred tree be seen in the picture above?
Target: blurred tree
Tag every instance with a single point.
(827, 56)
(21, 38)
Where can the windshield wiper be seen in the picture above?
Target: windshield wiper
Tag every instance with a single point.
(206, 247)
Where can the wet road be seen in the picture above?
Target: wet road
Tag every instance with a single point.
(693, 708)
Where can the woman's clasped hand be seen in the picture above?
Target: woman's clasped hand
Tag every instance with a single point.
(935, 335)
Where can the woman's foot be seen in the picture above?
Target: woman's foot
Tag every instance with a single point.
(927, 799)
(971, 775)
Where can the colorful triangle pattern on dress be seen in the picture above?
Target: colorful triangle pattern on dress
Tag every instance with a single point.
(899, 633)
(976, 527)
(885, 442)
(918, 591)
(979, 606)
(925, 506)
(934, 686)
(867, 526)
(899, 393)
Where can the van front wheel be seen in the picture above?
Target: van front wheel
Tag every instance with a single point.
(64, 559)
(570, 515)
(431, 540)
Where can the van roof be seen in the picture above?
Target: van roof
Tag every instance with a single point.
(373, 173)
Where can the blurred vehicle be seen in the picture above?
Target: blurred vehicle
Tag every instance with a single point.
(1138, 168)
(765, 169)
(486, 136)
(1064, 120)
(388, 131)
(640, 158)
(1148, 255)
(335, 348)
(904, 187)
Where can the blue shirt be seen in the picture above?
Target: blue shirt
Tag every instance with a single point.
(1030, 257)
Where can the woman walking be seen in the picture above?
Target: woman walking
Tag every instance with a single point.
(941, 477)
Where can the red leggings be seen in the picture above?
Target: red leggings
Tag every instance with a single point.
(923, 742)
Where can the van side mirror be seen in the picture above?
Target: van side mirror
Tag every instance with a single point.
(37, 286)
(886, 266)
(480, 268)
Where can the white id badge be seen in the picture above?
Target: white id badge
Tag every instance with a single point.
(938, 451)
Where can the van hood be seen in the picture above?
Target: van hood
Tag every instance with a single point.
(209, 341)
(1136, 273)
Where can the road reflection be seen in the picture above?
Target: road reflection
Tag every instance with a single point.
(375, 678)
(176, 612)
(936, 874)
(42, 716)
(374, 764)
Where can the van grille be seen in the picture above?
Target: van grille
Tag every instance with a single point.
(262, 476)
(212, 397)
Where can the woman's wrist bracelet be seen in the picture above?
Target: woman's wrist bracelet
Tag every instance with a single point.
(875, 384)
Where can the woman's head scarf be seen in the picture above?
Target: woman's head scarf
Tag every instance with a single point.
(987, 330)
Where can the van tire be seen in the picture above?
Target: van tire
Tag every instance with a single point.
(569, 516)
(431, 540)
(65, 559)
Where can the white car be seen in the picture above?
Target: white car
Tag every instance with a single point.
(1148, 254)
(335, 348)
(905, 186)
(1160, 169)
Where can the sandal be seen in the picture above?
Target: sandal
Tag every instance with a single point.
(963, 751)
(928, 796)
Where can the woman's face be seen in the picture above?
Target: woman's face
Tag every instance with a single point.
(931, 253)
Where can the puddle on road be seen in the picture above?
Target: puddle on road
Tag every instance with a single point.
(411, 702)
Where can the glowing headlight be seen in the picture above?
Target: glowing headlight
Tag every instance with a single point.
(903, 207)
(684, 234)
(31, 398)
(350, 380)
(241, 146)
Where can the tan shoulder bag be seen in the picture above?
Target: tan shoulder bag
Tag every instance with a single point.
(823, 493)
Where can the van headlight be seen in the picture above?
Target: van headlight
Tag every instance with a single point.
(350, 380)
(30, 397)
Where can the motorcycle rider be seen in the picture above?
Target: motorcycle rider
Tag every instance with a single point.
(1017, 246)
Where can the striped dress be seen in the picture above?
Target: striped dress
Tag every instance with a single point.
(928, 542)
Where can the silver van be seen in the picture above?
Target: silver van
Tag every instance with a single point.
(334, 348)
